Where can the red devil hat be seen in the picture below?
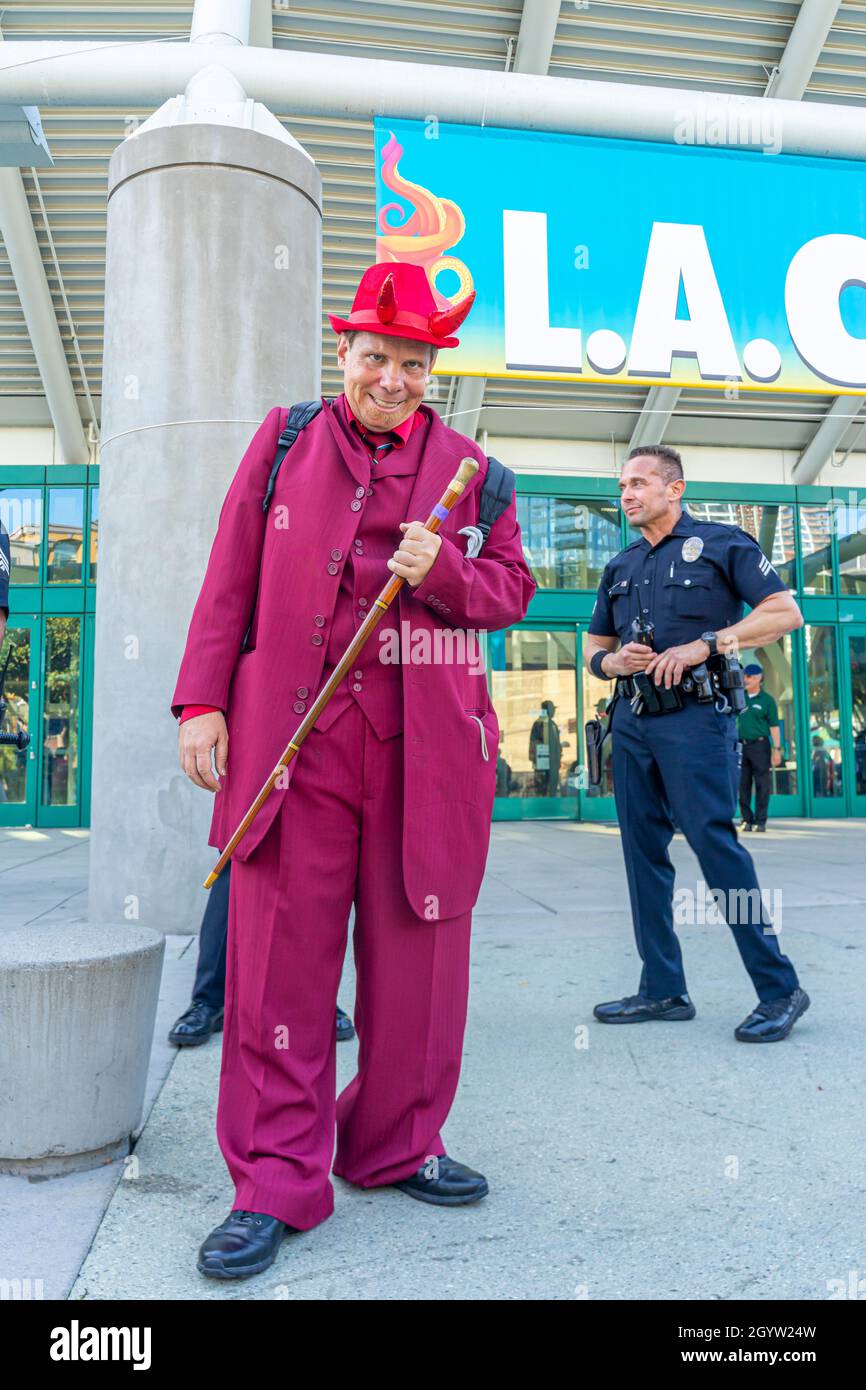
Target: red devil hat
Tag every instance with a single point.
(394, 297)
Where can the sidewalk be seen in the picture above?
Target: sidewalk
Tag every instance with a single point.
(655, 1162)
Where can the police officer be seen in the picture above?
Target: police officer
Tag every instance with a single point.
(756, 726)
(689, 579)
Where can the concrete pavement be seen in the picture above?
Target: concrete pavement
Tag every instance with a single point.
(665, 1161)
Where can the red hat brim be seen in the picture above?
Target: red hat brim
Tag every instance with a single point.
(370, 323)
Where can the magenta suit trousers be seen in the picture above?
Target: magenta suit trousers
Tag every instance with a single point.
(336, 840)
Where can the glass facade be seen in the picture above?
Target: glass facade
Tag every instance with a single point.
(571, 527)
(815, 538)
(49, 643)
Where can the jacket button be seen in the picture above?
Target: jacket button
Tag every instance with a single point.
(357, 686)
(369, 492)
(359, 675)
(362, 603)
(360, 491)
(299, 707)
(303, 692)
(356, 506)
(336, 554)
(319, 620)
(332, 568)
(317, 639)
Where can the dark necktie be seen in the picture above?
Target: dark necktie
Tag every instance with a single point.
(379, 450)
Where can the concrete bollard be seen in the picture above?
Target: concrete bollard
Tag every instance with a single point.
(77, 1009)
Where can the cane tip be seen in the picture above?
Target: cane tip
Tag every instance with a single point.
(210, 880)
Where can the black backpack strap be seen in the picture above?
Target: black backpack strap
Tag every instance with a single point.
(299, 417)
(496, 494)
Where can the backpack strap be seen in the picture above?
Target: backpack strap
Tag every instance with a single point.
(496, 494)
(299, 417)
(497, 491)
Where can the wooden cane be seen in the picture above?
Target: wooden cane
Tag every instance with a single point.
(467, 470)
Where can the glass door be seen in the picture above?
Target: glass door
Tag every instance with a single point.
(596, 803)
(18, 769)
(827, 769)
(533, 686)
(854, 717)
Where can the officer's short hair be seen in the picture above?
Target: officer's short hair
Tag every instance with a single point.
(352, 333)
(670, 465)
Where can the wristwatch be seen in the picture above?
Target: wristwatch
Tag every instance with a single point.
(710, 639)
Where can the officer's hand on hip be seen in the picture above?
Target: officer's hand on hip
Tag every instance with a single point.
(415, 553)
(195, 739)
(634, 656)
(667, 667)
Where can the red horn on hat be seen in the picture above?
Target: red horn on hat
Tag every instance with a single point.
(386, 301)
(445, 321)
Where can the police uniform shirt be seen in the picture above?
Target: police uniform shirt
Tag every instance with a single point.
(696, 579)
(4, 570)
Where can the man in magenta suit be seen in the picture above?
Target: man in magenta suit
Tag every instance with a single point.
(388, 804)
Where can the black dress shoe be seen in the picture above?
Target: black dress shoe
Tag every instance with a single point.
(445, 1183)
(245, 1243)
(344, 1026)
(638, 1009)
(773, 1019)
(745, 825)
(761, 828)
(196, 1025)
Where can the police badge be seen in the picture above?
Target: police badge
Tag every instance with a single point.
(692, 548)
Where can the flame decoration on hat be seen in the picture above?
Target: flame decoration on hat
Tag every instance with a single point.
(435, 225)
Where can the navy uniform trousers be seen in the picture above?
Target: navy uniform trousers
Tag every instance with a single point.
(684, 766)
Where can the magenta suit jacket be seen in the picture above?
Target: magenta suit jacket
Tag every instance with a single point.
(448, 784)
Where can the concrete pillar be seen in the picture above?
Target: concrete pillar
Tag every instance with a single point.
(212, 316)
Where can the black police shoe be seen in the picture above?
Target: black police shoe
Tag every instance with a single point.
(745, 825)
(445, 1183)
(761, 827)
(196, 1025)
(245, 1243)
(638, 1009)
(345, 1031)
(773, 1019)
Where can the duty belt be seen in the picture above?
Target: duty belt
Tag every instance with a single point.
(721, 685)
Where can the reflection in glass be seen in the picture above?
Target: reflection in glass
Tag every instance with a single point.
(94, 532)
(777, 664)
(815, 532)
(771, 526)
(21, 514)
(61, 711)
(568, 542)
(65, 535)
(596, 694)
(824, 722)
(16, 689)
(857, 657)
(533, 689)
(851, 526)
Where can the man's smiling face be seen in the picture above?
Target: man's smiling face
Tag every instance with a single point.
(384, 378)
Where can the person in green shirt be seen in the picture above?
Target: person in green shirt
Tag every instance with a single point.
(760, 735)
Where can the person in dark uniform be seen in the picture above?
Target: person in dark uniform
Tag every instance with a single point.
(545, 750)
(206, 1011)
(760, 734)
(689, 579)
